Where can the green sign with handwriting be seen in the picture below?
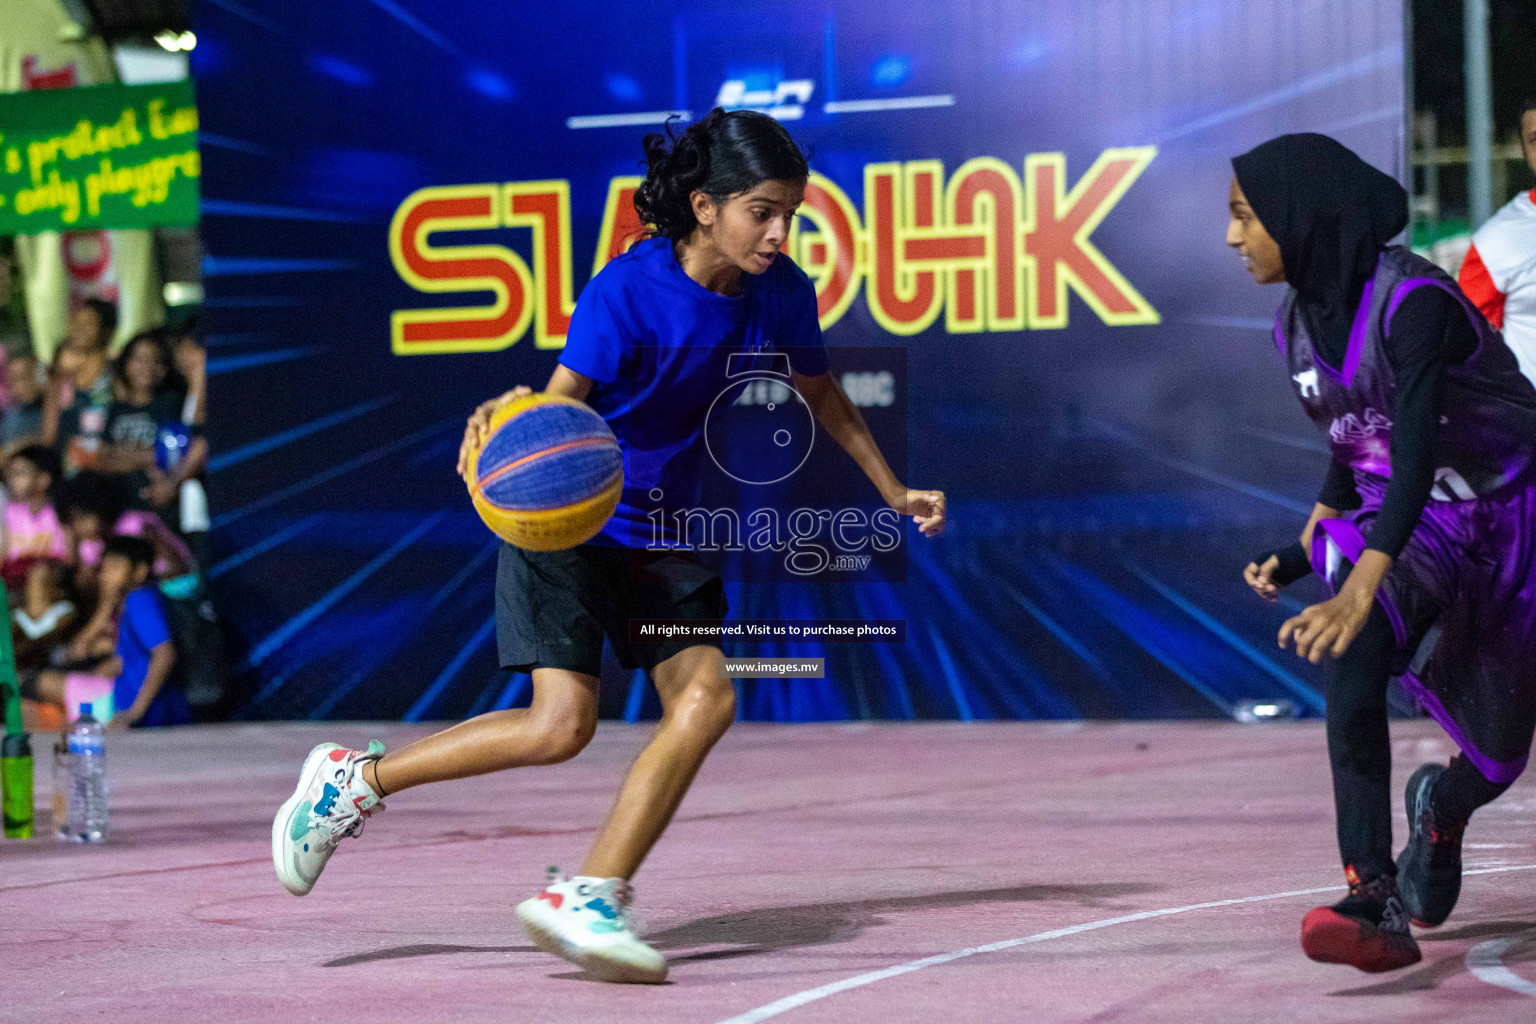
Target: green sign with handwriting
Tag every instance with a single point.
(106, 156)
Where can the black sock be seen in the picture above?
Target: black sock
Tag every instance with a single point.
(1462, 790)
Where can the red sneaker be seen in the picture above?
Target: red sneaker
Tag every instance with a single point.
(1368, 929)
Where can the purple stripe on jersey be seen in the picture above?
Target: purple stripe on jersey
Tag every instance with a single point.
(1493, 771)
(1357, 337)
(1401, 292)
(1279, 331)
(1357, 333)
(1347, 537)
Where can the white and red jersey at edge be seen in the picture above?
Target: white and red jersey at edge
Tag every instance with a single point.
(1499, 276)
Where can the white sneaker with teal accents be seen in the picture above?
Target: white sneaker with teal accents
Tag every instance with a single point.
(588, 921)
(331, 802)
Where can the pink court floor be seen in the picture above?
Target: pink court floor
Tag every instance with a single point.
(863, 873)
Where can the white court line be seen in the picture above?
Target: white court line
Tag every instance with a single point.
(623, 120)
(811, 995)
(1486, 962)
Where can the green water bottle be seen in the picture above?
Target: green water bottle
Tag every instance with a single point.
(16, 784)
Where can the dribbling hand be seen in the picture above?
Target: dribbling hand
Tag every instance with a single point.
(480, 422)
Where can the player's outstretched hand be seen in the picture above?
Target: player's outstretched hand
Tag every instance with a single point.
(480, 422)
(1262, 578)
(926, 509)
(1327, 628)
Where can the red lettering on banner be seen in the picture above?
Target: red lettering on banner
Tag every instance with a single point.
(1006, 251)
(898, 199)
(829, 253)
(987, 192)
(1057, 252)
(621, 222)
(457, 268)
(545, 206)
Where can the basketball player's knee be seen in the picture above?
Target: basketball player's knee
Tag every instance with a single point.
(565, 734)
(708, 706)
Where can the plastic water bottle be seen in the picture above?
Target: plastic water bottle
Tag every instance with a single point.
(87, 780)
(61, 784)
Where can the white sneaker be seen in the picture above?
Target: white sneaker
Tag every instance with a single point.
(588, 921)
(331, 802)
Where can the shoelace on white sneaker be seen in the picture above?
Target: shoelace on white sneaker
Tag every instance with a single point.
(345, 820)
(622, 895)
(617, 891)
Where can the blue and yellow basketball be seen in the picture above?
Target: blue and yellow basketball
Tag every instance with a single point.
(548, 475)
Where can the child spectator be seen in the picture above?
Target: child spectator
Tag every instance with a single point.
(76, 403)
(34, 551)
(94, 506)
(33, 532)
(132, 684)
(22, 423)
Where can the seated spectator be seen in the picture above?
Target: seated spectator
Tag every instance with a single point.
(22, 423)
(33, 532)
(76, 402)
(128, 689)
(93, 507)
(34, 551)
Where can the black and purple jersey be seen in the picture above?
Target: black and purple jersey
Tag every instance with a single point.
(1461, 596)
(1487, 435)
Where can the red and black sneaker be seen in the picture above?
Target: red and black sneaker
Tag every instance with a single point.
(1368, 929)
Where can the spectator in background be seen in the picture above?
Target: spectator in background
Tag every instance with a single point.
(76, 403)
(146, 437)
(1499, 272)
(191, 360)
(94, 507)
(33, 532)
(131, 623)
(35, 551)
(22, 423)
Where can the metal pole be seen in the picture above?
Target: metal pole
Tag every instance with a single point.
(1479, 112)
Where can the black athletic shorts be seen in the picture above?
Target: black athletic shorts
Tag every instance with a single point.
(553, 608)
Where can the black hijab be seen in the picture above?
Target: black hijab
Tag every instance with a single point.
(1331, 213)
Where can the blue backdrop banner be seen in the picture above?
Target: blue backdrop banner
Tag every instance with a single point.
(1026, 201)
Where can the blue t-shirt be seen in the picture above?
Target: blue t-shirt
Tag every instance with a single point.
(140, 629)
(657, 343)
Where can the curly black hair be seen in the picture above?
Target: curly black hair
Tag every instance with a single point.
(725, 154)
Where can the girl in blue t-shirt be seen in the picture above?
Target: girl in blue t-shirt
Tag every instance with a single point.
(648, 349)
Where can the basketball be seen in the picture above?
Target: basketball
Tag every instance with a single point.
(548, 475)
